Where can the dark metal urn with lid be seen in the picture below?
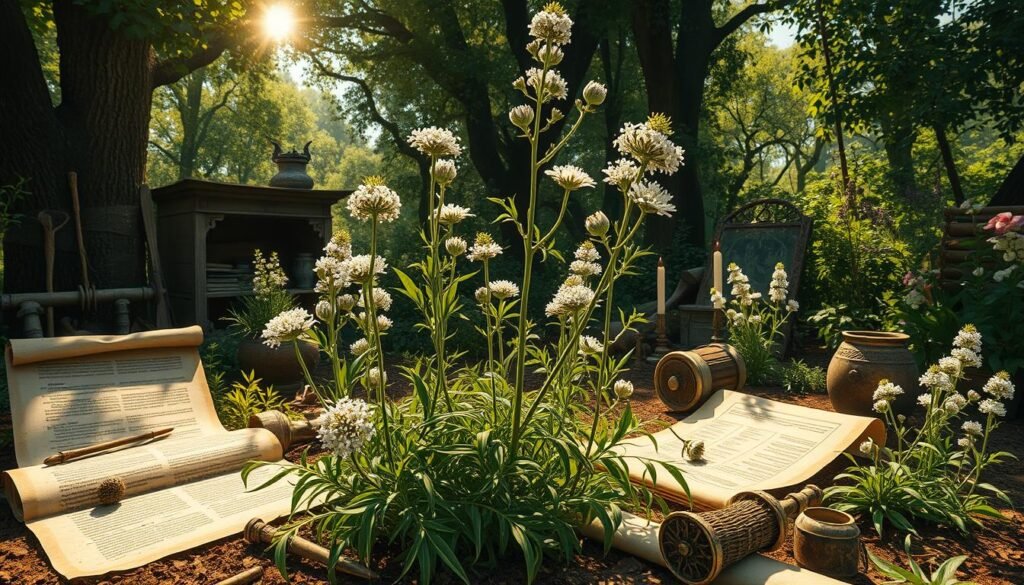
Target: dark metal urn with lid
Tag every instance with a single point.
(291, 168)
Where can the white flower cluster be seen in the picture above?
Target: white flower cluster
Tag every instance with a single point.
(345, 426)
(381, 299)
(503, 289)
(359, 270)
(741, 290)
(435, 142)
(884, 395)
(374, 201)
(967, 346)
(621, 173)
(554, 86)
(717, 300)
(287, 326)
(779, 288)
(999, 387)
(1011, 244)
(569, 299)
(1001, 275)
(552, 25)
(444, 171)
(935, 380)
(651, 197)
(590, 345)
(331, 274)
(585, 265)
(268, 276)
(340, 246)
(954, 403)
(451, 214)
(570, 177)
(483, 248)
(649, 146)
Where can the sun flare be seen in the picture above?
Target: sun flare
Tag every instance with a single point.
(278, 22)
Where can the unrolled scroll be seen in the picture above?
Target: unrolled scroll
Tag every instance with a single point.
(181, 491)
(750, 443)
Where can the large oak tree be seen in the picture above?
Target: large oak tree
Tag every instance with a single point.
(110, 54)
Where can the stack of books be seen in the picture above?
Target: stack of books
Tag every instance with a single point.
(228, 278)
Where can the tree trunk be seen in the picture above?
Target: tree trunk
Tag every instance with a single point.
(950, 164)
(1011, 192)
(899, 144)
(99, 130)
(189, 111)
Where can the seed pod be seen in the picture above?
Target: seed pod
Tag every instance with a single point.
(110, 491)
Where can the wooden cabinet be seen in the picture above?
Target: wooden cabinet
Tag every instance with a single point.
(204, 226)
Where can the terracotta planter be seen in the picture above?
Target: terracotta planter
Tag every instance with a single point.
(827, 541)
(863, 359)
(277, 366)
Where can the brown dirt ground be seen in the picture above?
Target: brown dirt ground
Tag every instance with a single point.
(995, 553)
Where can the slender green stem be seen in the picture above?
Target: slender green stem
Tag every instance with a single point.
(487, 309)
(528, 252)
(305, 372)
(374, 329)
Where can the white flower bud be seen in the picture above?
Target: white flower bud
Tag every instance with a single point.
(456, 246)
(623, 389)
(594, 93)
(324, 311)
(444, 171)
(346, 303)
(597, 224)
(521, 116)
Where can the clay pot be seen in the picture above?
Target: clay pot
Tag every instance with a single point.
(827, 541)
(277, 366)
(863, 359)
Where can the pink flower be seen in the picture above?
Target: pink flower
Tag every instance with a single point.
(1004, 222)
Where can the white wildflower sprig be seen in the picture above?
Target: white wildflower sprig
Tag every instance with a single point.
(651, 198)
(570, 177)
(483, 248)
(373, 199)
(289, 325)
(435, 142)
(345, 426)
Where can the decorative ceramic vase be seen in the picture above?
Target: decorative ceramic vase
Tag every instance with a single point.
(302, 270)
(291, 168)
(827, 541)
(863, 359)
(277, 366)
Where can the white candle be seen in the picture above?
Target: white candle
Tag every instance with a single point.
(661, 287)
(717, 267)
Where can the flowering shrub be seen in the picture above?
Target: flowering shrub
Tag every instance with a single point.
(755, 323)
(269, 296)
(475, 461)
(934, 470)
(991, 295)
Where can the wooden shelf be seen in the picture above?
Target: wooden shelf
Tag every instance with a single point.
(245, 293)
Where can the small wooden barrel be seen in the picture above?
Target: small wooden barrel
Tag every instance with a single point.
(685, 379)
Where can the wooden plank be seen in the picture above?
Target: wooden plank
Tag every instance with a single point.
(163, 309)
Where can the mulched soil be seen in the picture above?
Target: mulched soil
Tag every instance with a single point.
(995, 552)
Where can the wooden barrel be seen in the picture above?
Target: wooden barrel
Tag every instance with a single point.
(685, 379)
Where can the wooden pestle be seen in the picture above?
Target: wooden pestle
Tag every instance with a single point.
(250, 575)
(257, 531)
(797, 502)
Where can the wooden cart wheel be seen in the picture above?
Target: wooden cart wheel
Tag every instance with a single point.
(690, 548)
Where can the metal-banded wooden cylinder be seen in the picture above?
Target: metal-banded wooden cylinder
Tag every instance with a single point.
(685, 379)
(698, 546)
(288, 431)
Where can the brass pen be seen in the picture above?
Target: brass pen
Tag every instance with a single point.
(65, 456)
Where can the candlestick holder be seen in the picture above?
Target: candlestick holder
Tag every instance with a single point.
(716, 326)
(661, 345)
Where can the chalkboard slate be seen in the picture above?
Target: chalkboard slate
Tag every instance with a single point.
(756, 249)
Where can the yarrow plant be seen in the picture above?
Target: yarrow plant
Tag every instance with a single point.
(269, 298)
(755, 323)
(934, 470)
(477, 461)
